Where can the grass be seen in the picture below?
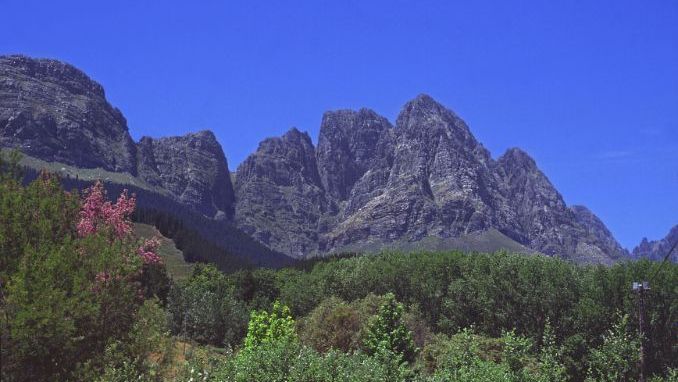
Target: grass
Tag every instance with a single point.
(173, 258)
(85, 174)
(488, 241)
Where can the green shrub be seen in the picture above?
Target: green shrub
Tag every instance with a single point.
(333, 324)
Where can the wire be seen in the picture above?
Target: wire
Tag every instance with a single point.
(663, 261)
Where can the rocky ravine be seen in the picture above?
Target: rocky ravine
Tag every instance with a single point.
(368, 184)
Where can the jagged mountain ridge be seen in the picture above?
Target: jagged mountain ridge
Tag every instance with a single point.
(53, 111)
(657, 249)
(379, 185)
(368, 184)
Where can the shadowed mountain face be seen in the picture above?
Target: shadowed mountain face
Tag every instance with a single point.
(54, 112)
(279, 194)
(657, 249)
(192, 168)
(424, 183)
(598, 233)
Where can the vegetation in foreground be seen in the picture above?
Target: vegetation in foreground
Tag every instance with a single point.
(84, 298)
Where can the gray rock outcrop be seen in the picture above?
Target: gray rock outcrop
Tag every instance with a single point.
(657, 249)
(192, 168)
(279, 194)
(372, 185)
(53, 111)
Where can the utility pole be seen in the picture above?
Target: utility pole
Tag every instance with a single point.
(640, 288)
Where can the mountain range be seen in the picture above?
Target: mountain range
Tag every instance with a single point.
(423, 182)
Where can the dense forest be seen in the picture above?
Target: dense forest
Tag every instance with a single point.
(83, 299)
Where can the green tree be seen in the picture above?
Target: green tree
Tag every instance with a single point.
(205, 309)
(551, 368)
(65, 296)
(266, 328)
(616, 359)
(387, 331)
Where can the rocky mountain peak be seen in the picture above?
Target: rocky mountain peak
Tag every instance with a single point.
(280, 196)
(657, 249)
(53, 111)
(350, 143)
(517, 159)
(285, 160)
(57, 72)
(424, 105)
(295, 136)
(368, 184)
(429, 123)
(192, 168)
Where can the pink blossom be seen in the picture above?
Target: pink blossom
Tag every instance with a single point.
(148, 251)
(97, 213)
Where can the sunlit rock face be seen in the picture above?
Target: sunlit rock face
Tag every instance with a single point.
(368, 184)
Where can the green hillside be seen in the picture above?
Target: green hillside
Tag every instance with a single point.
(172, 257)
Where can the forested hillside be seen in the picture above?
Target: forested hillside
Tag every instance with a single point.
(83, 298)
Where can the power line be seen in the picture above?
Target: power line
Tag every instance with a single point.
(664, 261)
(641, 287)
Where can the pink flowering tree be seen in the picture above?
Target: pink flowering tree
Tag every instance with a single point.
(98, 215)
(120, 259)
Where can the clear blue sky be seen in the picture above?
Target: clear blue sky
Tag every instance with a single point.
(588, 88)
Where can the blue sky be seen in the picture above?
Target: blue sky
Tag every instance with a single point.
(588, 88)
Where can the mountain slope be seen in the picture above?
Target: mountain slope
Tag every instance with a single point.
(424, 182)
(192, 168)
(657, 249)
(172, 257)
(53, 111)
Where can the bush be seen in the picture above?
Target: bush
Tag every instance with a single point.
(331, 325)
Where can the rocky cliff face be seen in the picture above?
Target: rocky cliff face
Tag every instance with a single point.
(433, 180)
(424, 183)
(657, 249)
(371, 184)
(598, 232)
(542, 219)
(280, 196)
(53, 111)
(350, 144)
(192, 168)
